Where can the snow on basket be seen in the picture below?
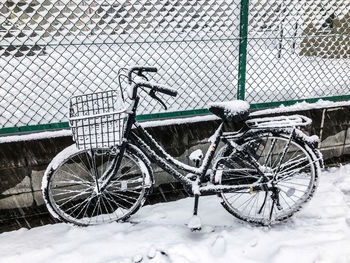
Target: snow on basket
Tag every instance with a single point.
(97, 119)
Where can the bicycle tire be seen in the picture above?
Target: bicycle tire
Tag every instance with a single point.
(70, 182)
(297, 176)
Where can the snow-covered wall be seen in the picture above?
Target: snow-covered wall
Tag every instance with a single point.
(23, 159)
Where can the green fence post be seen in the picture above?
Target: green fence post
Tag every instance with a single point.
(242, 62)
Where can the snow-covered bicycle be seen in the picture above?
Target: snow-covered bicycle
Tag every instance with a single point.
(264, 173)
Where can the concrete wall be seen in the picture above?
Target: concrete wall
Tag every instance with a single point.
(22, 163)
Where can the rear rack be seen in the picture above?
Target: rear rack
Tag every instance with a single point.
(279, 122)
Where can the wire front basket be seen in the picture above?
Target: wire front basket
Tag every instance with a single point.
(97, 119)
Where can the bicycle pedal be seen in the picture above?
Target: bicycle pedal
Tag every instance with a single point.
(196, 229)
(196, 157)
(195, 223)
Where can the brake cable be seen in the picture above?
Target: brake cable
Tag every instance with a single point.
(152, 93)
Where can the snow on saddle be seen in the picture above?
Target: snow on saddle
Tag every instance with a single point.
(231, 111)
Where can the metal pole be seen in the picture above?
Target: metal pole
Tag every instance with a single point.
(242, 63)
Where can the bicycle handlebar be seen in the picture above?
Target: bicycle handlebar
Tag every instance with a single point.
(154, 87)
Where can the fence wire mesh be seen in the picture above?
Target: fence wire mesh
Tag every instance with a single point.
(53, 49)
(298, 49)
(50, 50)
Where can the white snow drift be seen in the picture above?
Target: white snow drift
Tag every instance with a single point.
(319, 233)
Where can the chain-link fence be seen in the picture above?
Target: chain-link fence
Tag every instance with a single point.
(298, 49)
(259, 50)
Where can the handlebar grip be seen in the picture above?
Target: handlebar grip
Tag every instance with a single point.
(156, 87)
(140, 69)
(150, 69)
(165, 90)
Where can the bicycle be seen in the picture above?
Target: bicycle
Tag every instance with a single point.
(264, 172)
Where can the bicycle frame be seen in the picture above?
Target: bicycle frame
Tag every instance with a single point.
(165, 161)
(157, 154)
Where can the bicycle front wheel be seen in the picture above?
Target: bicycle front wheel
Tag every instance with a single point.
(72, 181)
(289, 164)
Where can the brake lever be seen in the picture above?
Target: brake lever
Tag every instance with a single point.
(140, 74)
(152, 93)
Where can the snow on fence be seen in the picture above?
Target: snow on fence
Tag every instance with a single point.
(266, 52)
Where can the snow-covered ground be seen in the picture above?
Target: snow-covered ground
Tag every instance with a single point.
(157, 233)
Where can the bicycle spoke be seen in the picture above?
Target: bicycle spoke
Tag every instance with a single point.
(111, 207)
(251, 207)
(85, 208)
(235, 196)
(72, 197)
(292, 184)
(285, 201)
(113, 200)
(84, 167)
(78, 205)
(249, 199)
(65, 192)
(283, 154)
(69, 198)
(289, 197)
(101, 214)
(292, 160)
(72, 174)
(294, 166)
(127, 190)
(269, 152)
(121, 195)
(73, 182)
(296, 189)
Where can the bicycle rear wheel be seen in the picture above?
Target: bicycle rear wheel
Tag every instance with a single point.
(292, 163)
(72, 180)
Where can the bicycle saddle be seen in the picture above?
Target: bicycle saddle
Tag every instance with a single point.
(231, 111)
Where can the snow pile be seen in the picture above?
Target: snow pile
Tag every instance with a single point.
(158, 233)
(35, 136)
(301, 106)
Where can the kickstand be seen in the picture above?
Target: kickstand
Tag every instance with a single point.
(195, 209)
(276, 200)
(263, 204)
(195, 222)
